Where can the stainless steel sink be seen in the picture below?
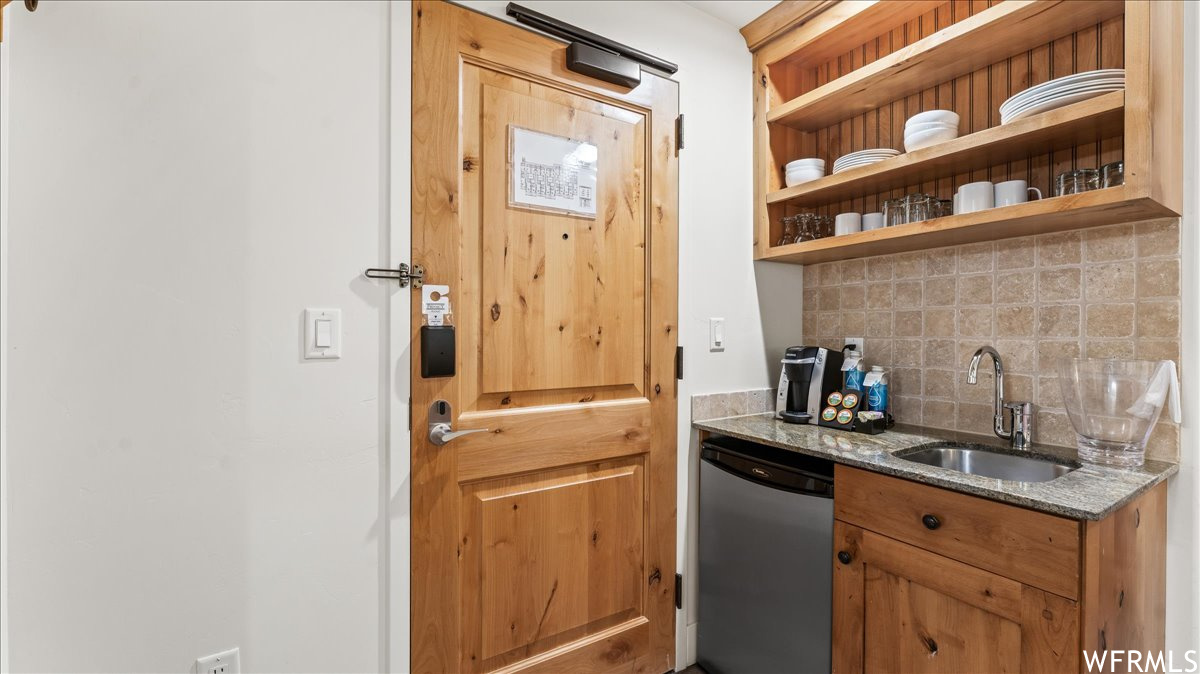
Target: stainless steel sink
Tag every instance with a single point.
(988, 463)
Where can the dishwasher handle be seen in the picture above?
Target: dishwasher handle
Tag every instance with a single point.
(768, 473)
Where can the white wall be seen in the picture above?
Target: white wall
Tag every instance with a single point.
(187, 178)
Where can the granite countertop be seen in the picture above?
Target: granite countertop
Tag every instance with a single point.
(1090, 492)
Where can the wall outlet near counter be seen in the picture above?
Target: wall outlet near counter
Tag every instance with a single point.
(225, 662)
(859, 343)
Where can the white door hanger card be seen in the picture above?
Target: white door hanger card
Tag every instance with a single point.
(435, 303)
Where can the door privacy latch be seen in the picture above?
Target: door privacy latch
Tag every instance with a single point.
(402, 274)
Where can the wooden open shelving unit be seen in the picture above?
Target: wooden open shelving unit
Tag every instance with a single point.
(821, 90)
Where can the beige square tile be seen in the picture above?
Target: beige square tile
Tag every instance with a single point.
(852, 271)
(829, 324)
(907, 410)
(1020, 355)
(812, 275)
(940, 322)
(1049, 351)
(853, 296)
(879, 268)
(906, 353)
(983, 391)
(854, 323)
(1110, 282)
(941, 262)
(809, 297)
(940, 383)
(1158, 320)
(810, 326)
(1019, 287)
(975, 322)
(1058, 320)
(1016, 253)
(975, 418)
(1059, 248)
(1018, 387)
(1049, 392)
(879, 324)
(879, 352)
(908, 265)
(1108, 348)
(1058, 285)
(907, 294)
(975, 257)
(1110, 320)
(1158, 278)
(1157, 349)
(1157, 237)
(905, 381)
(1014, 321)
(908, 323)
(1053, 428)
(829, 298)
(940, 353)
(829, 274)
(940, 292)
(975, 289)
(879, 296)
(938, 414)
(1104, 244)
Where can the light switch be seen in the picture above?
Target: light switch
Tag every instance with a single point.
(322, 333)
(716, 334)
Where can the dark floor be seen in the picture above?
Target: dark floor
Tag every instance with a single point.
(694, 669)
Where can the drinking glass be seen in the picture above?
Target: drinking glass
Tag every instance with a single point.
(1074, 182)
(893, 212)
(1112, 174)
(945, 207)
(916, 207)
(790, 231)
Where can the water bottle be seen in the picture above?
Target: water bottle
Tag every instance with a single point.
(877, 389)
(853, 366)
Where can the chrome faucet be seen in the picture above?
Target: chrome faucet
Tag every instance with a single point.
(1021, 428)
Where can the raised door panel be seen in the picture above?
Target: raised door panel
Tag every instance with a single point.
(901, 608)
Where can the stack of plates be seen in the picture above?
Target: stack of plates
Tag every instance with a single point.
(1062, 91)
(862, 158)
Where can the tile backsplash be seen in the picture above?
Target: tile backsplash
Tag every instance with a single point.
(1108, 292)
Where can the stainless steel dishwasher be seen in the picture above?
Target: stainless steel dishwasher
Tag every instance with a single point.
(766, 559)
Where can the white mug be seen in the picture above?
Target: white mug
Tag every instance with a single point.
(847, 223)
(872, 221)
(956, 211)
(1014, 192)
(978, 196)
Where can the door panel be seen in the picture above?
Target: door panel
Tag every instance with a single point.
(546, 543)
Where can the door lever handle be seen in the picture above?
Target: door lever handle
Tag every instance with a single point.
(440, 434)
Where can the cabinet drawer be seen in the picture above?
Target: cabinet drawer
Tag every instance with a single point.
(1030, 547)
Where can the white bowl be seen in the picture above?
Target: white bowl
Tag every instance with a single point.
(925, 126)
(796, 177)
(944, 116)
(804, 163)
(921, 139)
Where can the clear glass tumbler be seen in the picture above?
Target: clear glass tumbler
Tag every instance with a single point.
(1074, 182)
(1112, 174)
(893, 212)
(789, 230)
(916, 207)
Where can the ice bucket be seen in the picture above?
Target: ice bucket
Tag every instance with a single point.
(1113, 405)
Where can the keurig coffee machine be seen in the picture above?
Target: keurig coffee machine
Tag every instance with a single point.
(809, 373)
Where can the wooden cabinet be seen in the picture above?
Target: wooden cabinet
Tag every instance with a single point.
(832, 78)
(929, 580)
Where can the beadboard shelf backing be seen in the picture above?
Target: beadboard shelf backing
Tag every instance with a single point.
(968, 56)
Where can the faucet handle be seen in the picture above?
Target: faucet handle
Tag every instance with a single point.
(1022, 423)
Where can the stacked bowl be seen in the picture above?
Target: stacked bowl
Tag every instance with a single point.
(930, 128)
(803, 171)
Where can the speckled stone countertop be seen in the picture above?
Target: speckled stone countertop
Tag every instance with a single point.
(1090, 492)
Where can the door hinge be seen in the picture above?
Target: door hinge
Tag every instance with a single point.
(401, 273)
(679, 132)
(678, 590)
(679, 362)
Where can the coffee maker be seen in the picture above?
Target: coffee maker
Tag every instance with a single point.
(809, 374)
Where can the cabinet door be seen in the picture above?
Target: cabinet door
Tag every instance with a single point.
(898, 608)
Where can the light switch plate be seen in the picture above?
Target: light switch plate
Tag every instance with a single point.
(716, 334)
(311, 348)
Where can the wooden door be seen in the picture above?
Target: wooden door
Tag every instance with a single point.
(898, 608)
(548, 542)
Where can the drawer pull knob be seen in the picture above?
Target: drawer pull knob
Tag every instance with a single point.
(844, 557)
(931, 522)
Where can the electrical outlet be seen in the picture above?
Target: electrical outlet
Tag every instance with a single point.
(227, 662)
(858, 342)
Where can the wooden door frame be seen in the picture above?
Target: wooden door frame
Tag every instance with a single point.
(444, 38)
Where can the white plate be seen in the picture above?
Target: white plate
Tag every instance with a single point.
(1012, 106)
(876, 155)
(859, 162)
(1052, 104)
(1091, 77)
(854, 166)
(1098, 88)
(1078, 78)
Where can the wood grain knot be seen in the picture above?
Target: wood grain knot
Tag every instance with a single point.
(1137, 517)
(619, 651)
(495, 311)
(655, 576)
(657, 389)
(506, 400)
(1121, 599)
(469, 164)
(475, 45)
(929, 643)
(1048, 614)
